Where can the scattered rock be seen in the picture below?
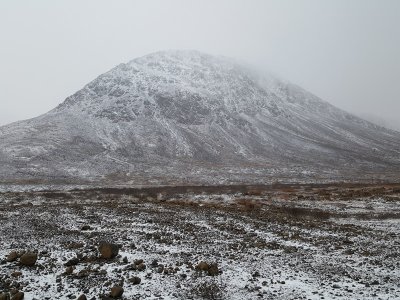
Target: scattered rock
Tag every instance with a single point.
(108, 250)
(75, 245)
(141, 267)
(256, 274)
(116, 292)
(211, 269)
(135, 280)
(202, 266)
(18, 296)
(16, 274)
(86, 227)
(12, 256)
(154, 263)
(72, 262)
(4, 296)
(28, 259)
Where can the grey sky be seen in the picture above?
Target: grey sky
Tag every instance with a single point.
(345, 51)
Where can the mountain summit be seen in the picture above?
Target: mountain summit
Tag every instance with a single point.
(185, 116)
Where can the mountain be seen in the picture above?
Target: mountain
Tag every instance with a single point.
(185, 116)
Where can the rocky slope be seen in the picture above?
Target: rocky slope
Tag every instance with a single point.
(179, 116)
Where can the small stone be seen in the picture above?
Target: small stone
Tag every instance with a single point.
(82, 297)
(86, 227)
(138, 261)
(28, 259)
(116, 292)
(4, 296)
(141, 267)
(135, 280)
(18, 296)
(202, 266)
(213, 270)
(108, 250)
(72, 262)
(69, 270)
(154, 263)
(256, 274)
(16, 274)
(12, 256)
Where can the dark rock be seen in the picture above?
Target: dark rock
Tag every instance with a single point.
(18, 296)
(141, 267)
(28, 259)
(213, 270)
(154, 263)
(12, 256)
(82, 297)
(72, 262)
(4, 296)
(256, 274)
(16, 274)
(86, 227)
(202, 266)
(108, 250)
(69, 270)
(75, 245)
(116, 292)
(135, 280)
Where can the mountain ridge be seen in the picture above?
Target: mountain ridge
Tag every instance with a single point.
(173, 114)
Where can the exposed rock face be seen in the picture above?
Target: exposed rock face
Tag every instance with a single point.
(187, 115)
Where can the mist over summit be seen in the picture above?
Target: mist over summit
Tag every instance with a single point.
(177, 116)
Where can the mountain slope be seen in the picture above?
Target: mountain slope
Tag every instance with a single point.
(184, 115)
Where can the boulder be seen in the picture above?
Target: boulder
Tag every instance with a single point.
(28, 259)
(108, 250)
(116, 292)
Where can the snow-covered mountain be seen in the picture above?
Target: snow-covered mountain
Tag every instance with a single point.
(179, 116)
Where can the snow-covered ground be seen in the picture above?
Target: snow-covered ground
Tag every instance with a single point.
(301, 242)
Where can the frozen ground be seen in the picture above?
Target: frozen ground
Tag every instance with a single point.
(269, 242)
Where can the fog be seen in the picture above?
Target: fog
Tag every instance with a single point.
(346, 52)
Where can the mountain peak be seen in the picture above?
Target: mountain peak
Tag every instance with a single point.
(169, 112)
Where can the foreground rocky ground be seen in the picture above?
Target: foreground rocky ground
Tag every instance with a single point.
(241, 242)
